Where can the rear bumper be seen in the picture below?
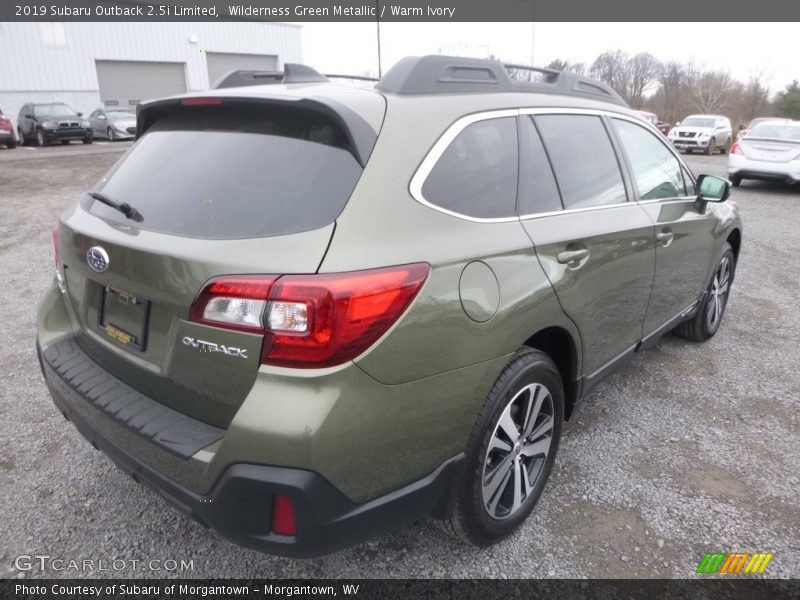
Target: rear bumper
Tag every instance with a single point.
(740, 166)
(239, 504)
(7, 136)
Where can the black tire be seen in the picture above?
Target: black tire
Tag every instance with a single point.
(11, 145)
(22, 139)
(111, 135)
(41, 139)
(88, 139)
(736, 181)
(710, 148)
(724, 149)
(65, 142)
(529, 377)
(701, 326)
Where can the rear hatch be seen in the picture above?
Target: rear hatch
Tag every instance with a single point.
(223, 187)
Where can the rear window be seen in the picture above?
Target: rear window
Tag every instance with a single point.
(234, 172)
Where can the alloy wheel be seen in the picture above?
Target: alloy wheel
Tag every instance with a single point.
(517, 451)
(718, 295)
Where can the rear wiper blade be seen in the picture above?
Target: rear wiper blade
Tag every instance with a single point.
(125, 208)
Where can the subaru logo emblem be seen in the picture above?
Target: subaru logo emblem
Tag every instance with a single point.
(97, 259)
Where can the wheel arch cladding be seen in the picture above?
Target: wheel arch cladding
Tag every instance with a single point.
(558, 344)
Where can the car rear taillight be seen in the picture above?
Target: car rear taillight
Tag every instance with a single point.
(233, 303)
(284, 521)
(56, 240)
(736, 148)
(311, 321)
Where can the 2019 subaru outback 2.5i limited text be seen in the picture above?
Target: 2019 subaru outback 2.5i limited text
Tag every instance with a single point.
(307, 313)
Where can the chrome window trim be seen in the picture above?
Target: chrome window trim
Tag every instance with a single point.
(435, 153)
(438, 148)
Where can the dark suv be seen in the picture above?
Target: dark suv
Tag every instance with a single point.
(307, 312)
(52, 122)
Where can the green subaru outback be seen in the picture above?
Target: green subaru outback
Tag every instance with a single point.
(307, 313)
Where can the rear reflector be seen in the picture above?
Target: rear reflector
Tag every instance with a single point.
(311, 321)
(201, 101)
(283, 518)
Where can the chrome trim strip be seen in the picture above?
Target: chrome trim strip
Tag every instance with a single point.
(435, 153)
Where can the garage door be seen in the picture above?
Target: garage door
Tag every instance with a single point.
(220, 63)
(126, 83)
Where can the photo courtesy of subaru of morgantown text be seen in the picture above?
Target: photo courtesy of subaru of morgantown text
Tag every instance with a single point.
(307, 311)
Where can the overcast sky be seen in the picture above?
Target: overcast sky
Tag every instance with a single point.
(740, 48)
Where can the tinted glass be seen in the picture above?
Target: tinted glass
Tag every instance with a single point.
(583, 159)
(236, 172)
(698, 122)
(776, 131)
(655, 169)
(538, 191)
(53, 110)
(477, 173)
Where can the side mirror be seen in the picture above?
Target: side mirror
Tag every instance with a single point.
(101, 117)
(711, 188)
(28, 116)
(741, 126)
(80, 114)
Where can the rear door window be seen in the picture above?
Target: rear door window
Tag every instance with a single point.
(538, 192)
(476, 175)
(583, 160)
(234, 172)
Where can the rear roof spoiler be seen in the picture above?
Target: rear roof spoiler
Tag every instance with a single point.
(360, 134)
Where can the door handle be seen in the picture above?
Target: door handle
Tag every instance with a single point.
(665, 238)
(570, 256)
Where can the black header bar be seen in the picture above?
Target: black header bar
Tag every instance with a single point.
(401, 10)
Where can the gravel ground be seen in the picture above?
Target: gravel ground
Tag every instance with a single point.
(690, 448)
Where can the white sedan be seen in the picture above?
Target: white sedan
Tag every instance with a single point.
(770, 151)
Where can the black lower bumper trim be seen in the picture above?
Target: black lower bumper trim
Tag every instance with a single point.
(239, 505)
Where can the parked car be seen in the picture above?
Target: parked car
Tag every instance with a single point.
(113, 124)
(664, 127)
(52, 122)
(702, 132)
(770, 152)
(745, 129)
(651, 118)
(305, 325)
(7, 136)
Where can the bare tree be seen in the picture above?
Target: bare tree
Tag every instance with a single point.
(612, 67)
(711, 92)
(643, 70)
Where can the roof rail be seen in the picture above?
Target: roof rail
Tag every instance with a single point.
(354, 77)
(436, 74)
(292, 73)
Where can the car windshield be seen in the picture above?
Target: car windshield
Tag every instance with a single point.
(121, 114)
(698, 122)
(53, 110)
(776, 131)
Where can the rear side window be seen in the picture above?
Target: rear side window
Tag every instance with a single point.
(583, 160)
(538, 191)
(234, 172)
(476, 175)
(656, 170)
